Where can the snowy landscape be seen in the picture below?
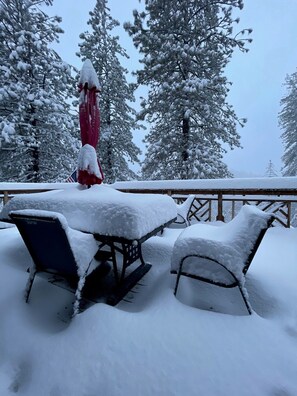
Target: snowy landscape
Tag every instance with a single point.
(202, 342)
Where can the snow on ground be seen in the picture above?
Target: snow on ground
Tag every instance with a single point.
(200, 343)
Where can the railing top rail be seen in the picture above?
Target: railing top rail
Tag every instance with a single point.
(25, 191)
(27, 187)
(264, 183)
(215, 191)
(243, 192)
(277, 186)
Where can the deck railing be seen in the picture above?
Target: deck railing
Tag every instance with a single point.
(223, 205)
(217, 203)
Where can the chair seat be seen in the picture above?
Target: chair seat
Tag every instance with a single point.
(207, 270)
(208, 241)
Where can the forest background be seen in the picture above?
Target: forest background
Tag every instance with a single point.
(257, 76)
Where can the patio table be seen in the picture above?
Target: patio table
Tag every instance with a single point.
(119, 221)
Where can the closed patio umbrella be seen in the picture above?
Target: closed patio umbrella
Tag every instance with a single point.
(89, 168)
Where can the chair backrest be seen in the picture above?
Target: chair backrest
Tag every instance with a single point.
(248, 229)
(47, 242)
(257, 244)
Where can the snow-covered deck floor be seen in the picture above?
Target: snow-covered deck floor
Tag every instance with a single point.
(158, 344)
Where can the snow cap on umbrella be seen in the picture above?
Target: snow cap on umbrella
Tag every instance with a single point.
(87, 161)
(89, 76)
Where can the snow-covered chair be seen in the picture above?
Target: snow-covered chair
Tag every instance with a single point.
(56, 248)
(184, 211)
(221, 254)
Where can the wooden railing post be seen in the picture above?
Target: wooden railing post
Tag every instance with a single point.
(220, 216)
(233, 210)
(5, 197)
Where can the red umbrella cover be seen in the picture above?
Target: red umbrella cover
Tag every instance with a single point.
(89, 168)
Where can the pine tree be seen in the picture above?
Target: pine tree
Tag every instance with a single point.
(36, 127)
(186, 45)
(288, 123)
(117, 118)
(270, 170)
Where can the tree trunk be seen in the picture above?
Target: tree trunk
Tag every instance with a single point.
(185, 147)
(34, 169)
(109, 163)
(35, 165)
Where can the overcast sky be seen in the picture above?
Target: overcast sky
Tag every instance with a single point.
(258, 76)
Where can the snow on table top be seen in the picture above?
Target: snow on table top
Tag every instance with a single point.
(101, 209)
(230, 244)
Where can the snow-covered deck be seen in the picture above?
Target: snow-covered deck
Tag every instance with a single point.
(201, 343)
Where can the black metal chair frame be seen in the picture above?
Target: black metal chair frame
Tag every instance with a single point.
(236, 282)
(185, 220)
(130, 250)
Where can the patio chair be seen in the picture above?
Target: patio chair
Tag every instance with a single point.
(221, 254)
(184, 211)
(56, 248)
